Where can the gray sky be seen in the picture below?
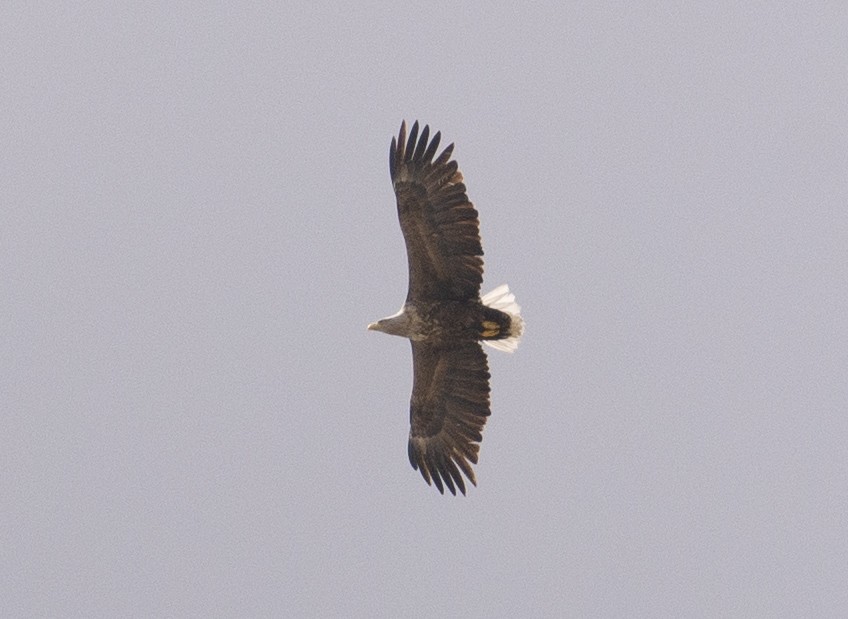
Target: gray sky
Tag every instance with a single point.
(197, 225)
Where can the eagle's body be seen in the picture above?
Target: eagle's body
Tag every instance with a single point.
(444, 316)
(446, 323)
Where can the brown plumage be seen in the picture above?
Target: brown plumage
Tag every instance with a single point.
(444, 315)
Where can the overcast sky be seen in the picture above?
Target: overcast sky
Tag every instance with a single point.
(197, 225)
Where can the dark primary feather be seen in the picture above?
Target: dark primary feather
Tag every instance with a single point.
(448, 409)
(439, 223)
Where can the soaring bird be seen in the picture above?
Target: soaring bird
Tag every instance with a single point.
(444, 316)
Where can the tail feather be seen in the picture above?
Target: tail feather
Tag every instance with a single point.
(502, 299)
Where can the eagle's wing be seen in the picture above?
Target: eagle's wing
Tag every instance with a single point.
(439, 224)
(447, 412)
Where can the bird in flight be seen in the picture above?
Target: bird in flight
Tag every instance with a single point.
(444, 316)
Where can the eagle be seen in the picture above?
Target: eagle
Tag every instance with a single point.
(444, 316)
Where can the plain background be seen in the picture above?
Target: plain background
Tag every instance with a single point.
(197, 224)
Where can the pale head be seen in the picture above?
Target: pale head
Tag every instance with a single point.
(396, 324)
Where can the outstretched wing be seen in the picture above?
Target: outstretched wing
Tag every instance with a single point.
(447, 412)
(439, 224)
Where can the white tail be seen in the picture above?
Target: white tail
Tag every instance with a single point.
(502, 299)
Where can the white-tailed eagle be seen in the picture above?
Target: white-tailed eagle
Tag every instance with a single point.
(444, 316)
